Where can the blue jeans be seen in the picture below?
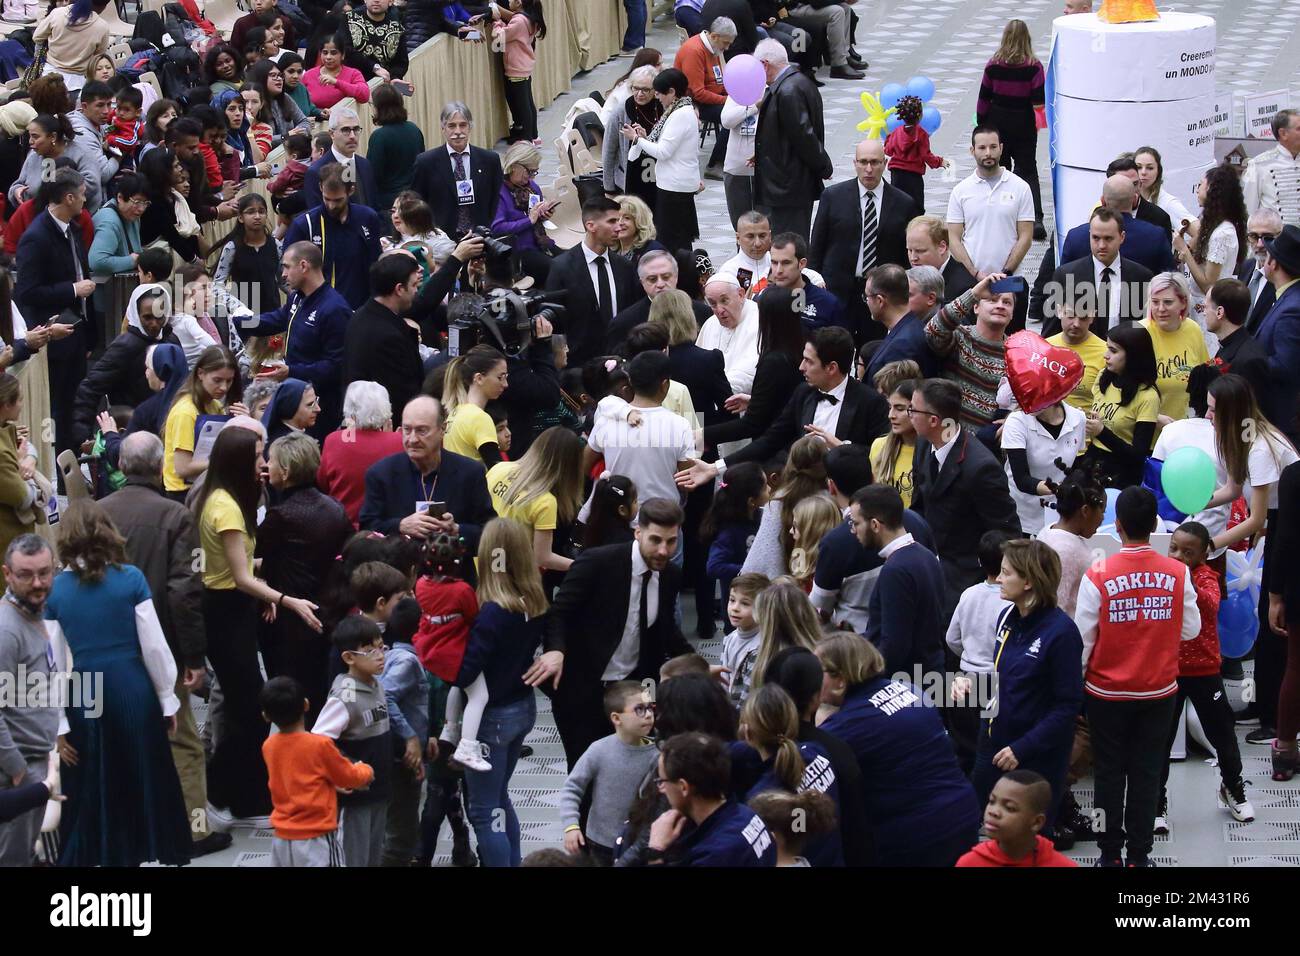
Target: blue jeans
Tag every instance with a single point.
(689, 19)
(496, 825)
(634, 38)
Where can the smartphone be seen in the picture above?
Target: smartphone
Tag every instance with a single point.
(473, 35)
(1016, 284)
(103, 404)
(434, 509)
(403, 87)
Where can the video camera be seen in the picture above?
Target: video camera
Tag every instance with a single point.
(507, 320)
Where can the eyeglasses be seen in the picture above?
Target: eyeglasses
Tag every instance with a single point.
(643, 89)
(139, 203)
(350, 130)
(25, 577)
(371, 652)
(912, 410)
(645, 710)
(1261, 236)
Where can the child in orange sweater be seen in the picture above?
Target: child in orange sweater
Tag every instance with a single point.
(303, 771)
(1016, 812)
(515, 36)
(908, 149)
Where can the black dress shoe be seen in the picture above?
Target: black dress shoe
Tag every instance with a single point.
(846, 72)
(857, 63)
(214, 842)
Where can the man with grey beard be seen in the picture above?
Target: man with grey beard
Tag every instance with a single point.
(29, 726)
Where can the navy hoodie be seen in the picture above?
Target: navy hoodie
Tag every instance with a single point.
(752, 775)
(350, 248)
(732, 835)
(1039, 686)
(915, 793)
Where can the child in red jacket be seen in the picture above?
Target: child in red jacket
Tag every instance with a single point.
(1016, 811)
(125, 131)
(1199, 680)
(908, 149)
(448, 606)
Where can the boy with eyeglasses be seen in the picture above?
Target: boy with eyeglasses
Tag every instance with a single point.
(356, 715)
(612, 770)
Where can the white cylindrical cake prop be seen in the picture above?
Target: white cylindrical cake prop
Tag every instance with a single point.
(1112, 87)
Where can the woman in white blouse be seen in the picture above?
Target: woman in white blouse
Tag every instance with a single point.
(674, 146)
(1151, 184)
(1213, 247)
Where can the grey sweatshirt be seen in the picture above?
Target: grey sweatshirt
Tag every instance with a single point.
(613, 770)
(27, 732)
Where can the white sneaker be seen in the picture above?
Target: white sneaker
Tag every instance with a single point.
(1235, 802)
(450, 733)
(1162, 816)
(219, 821)
(470, 754)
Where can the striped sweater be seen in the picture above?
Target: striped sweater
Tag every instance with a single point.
(974, 363)
(1010, 87)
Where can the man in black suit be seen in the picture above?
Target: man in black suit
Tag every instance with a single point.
(789, 147)
(927, 245)
(345, 131)
(461, 183)
(379, 345)
(960, 488)
(54, 289)
(1106, 285)
(830, 404)
(612, 619)
(1264, 225)
(657, 272)
(1226, 307)
(600, 283)
(860, 224)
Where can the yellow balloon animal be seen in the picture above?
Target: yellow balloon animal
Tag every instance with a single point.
(877, 116)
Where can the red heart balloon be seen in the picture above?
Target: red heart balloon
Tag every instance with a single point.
(1040, 374)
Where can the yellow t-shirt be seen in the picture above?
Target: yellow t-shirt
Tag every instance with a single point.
(469, 429)
(178, 433)
(901, 479)
(1121, 419)
(1177, 353)
(1092, 351)
(221, 513)
(539, 514)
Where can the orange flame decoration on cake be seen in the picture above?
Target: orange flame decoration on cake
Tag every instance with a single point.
(1128, 11)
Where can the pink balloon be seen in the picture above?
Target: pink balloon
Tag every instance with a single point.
(744, 79)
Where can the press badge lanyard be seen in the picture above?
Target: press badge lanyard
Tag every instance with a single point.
(1002, 646)
(334, 266)
(428, 493)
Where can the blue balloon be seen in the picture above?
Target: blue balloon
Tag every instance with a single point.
(930, 120)
(892, 123)
(1112, 496)
(1238, 623)
(922, 87)
(891, 94)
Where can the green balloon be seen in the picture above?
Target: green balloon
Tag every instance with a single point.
(1188, 479)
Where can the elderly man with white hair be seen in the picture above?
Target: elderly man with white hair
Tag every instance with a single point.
(1264, 225)
(366, 436)
(460, 182)
(732, 330)
(657, 272)
(345, 133)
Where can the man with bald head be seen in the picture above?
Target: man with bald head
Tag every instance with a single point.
(1077, 6)
(161, 540)
(314, 321)
(425, 490)
(1145, 244)
(860, 224)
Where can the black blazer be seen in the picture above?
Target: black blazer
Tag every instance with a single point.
(44, 285)
(380, 347)
(435, 180)
(837, 235)
(1148, 211)
(633, 315)
(1080, 277)
(789, 144)
(582, 325)
(393, 488)
(864, 418)
(589, 612)
(969, 497)
(1284, 576)
(704, 374)
(957, 280)
(1267, 296)
(775, 380)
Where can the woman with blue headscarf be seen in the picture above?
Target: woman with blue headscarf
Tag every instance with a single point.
(230, 103)
(293, 408)
(165, 370)
(74, 35)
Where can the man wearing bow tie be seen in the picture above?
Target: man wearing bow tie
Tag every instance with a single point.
(830, 404)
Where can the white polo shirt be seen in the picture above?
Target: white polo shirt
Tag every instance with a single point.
(990, 210)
